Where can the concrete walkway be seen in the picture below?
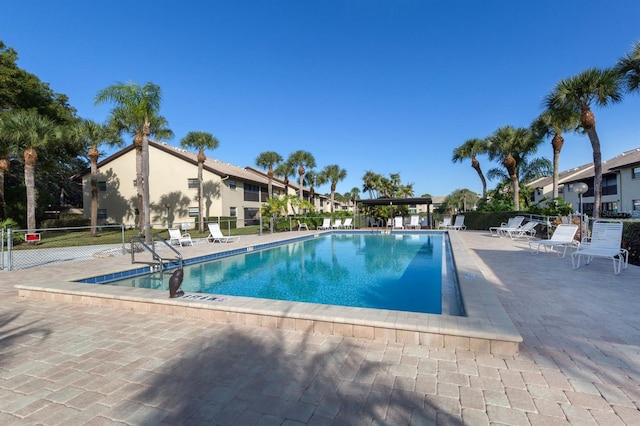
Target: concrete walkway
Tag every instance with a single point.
(579, 363)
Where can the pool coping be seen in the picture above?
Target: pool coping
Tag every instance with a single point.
(485, 328)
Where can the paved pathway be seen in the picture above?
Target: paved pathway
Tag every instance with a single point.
(579, 364)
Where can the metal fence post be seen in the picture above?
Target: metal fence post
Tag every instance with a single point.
(9, 243)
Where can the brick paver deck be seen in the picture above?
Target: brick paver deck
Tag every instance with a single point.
(63, 363)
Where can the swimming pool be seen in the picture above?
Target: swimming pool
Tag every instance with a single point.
(404, 272)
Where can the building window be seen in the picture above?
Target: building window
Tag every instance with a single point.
(609, 185)
(102, 186)
(251, 216)
(635, 173)
(251, 192)
(193, 183)
(193, 211)
(135, 183)
(636, 204)
(232, 184)
(233, 211)
(610, 207)
(102, 213)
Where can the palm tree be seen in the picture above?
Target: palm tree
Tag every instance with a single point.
(333, 174)
(5, 163)
(471, 149)
(313, 179)
(284, 170)
(268, 160)
(553, 123)
(200, 141)
(302, 159)
(511, 146)
(593, 86)
(136, 112)
(629, 67)
(28, 131)
(370, 183)
(94, 134)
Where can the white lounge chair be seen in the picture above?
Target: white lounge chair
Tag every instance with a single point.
(605, 241)
(326, 223)
(512, 225)
(175, 237)
(215, 234)
(348, 223)
(562, 237)
(458, 225)
(337, 224)
(414, 223)
(446, 222)
(526, 230)
(397, 223)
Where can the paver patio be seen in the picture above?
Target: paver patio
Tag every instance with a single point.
(63, 363)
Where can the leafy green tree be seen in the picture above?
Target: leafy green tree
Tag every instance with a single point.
(268, 160)
(594, 86)
(200, 141)
(136, 112)
(303, 160)
(371, 183)
(552, 123)
(629, 67)
(460, 200)
(470, 149)
(29, 132)
(512, 146)
(333, 174)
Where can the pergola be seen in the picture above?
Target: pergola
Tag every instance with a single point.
(398, 201)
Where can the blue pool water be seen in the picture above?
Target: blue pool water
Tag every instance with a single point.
(396, 271)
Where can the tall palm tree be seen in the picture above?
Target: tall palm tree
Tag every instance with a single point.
(93, 135)
(268, 160)
(471, 149)
(578, 93)
(313, 179)
(333, 174)
(370, 183)
(284, 170)
(200, 141)
(136, 112)
(302, 159)
(28, 131)
(511, 146)
(5, 164)
(629, 67)
(553, 122)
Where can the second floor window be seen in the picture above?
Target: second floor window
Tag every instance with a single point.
(635, 173)
(102, 186)
(192, 183)
(251, 192)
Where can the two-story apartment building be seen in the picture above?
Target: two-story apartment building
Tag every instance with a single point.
(229, 191)
(620, 185)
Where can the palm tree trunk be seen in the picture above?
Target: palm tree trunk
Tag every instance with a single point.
(93, 157)
(4, 168)
(139, 183)
(557, 142)
(200, 198)
(145, 181)
(597, 170)
(476, 165)
(30, 157)
(516, 191)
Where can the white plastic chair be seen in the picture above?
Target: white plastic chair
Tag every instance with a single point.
(175, 237)
(563, 236)
(605, 241)
(415, 222)
(215, 234)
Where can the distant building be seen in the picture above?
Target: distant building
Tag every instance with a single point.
(620, 185)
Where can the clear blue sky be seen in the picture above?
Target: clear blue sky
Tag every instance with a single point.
(387, 86)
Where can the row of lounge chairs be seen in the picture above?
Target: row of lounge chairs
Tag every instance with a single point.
(457, 225)
(605, 241)
(215, 235)
(337, 224)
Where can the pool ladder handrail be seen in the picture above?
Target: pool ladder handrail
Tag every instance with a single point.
(158, 261)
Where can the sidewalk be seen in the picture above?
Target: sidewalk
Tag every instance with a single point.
(579, 363)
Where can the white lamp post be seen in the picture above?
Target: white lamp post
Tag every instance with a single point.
(580, 188)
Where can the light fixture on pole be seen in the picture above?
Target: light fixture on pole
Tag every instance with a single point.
(580, 188)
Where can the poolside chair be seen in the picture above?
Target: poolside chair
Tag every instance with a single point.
(337, 224)
(446, 222)
(397, 223)
(512, 225)
(348, 223)
(326, 223)
(458, 225)
(526, 230)
(215, 234)
(175, 237)
(414, 223)
(605, 241)
(562, 237)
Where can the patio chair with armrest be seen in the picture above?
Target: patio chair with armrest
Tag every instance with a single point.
(563, 236)
(606, 242)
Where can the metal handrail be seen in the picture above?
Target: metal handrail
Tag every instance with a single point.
(158, 260)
